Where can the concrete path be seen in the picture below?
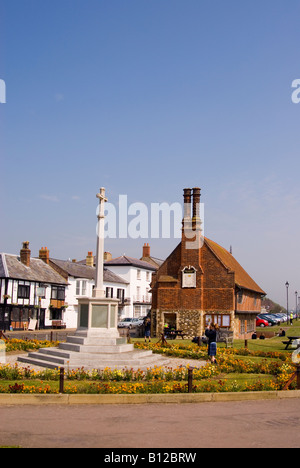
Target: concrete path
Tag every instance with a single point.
(265, 423)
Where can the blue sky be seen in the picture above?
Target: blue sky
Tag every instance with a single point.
(146, 97)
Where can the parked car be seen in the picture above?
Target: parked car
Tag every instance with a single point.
(272, 321)
(130, 322)
(273, 318)
(283, 317)
(280, 317)
(260, 322)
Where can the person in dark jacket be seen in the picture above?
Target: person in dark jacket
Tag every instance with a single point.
(148, 330)
(211, 334)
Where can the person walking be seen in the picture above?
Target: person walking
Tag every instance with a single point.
(211, 334)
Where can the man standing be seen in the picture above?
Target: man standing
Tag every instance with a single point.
(148, 330)
(211, 333)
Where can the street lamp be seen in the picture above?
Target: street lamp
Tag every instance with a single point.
(296, 295)
(287, 298)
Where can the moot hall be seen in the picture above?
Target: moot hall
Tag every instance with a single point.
(201, 282)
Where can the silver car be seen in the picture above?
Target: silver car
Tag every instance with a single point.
(130, 322)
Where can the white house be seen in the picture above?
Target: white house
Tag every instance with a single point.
(137, 274)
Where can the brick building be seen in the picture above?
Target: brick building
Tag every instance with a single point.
(202, 282)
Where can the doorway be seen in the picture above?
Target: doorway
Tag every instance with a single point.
(4, 318)
(170, 319)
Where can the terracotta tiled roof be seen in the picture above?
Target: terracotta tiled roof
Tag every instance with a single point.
(242, 279)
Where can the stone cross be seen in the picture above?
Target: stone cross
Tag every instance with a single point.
(99, 291)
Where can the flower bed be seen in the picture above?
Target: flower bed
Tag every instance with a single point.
(195, 352)
(26, 345)
(210, 378)
(237, 370)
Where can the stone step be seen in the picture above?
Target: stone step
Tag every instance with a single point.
(47, 357)
(54, 352)
(74, 356)
(82, 340)
(96, 349)
(142, 364)
(38, 362)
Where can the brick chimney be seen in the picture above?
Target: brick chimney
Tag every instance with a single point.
(25, 254)
(44, 255)
(191, 230)
(146, 250)
(196, 208)
(187, 199)
(90, 259)
(107, 256)
(196, 202)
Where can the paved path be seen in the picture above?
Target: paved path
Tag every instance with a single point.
(264, 423)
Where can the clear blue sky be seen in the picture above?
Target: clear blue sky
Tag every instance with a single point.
(146, 97)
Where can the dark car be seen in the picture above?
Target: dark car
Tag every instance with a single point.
(272, 321)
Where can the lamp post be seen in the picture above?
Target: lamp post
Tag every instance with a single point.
(296, 296)
(287, 298)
